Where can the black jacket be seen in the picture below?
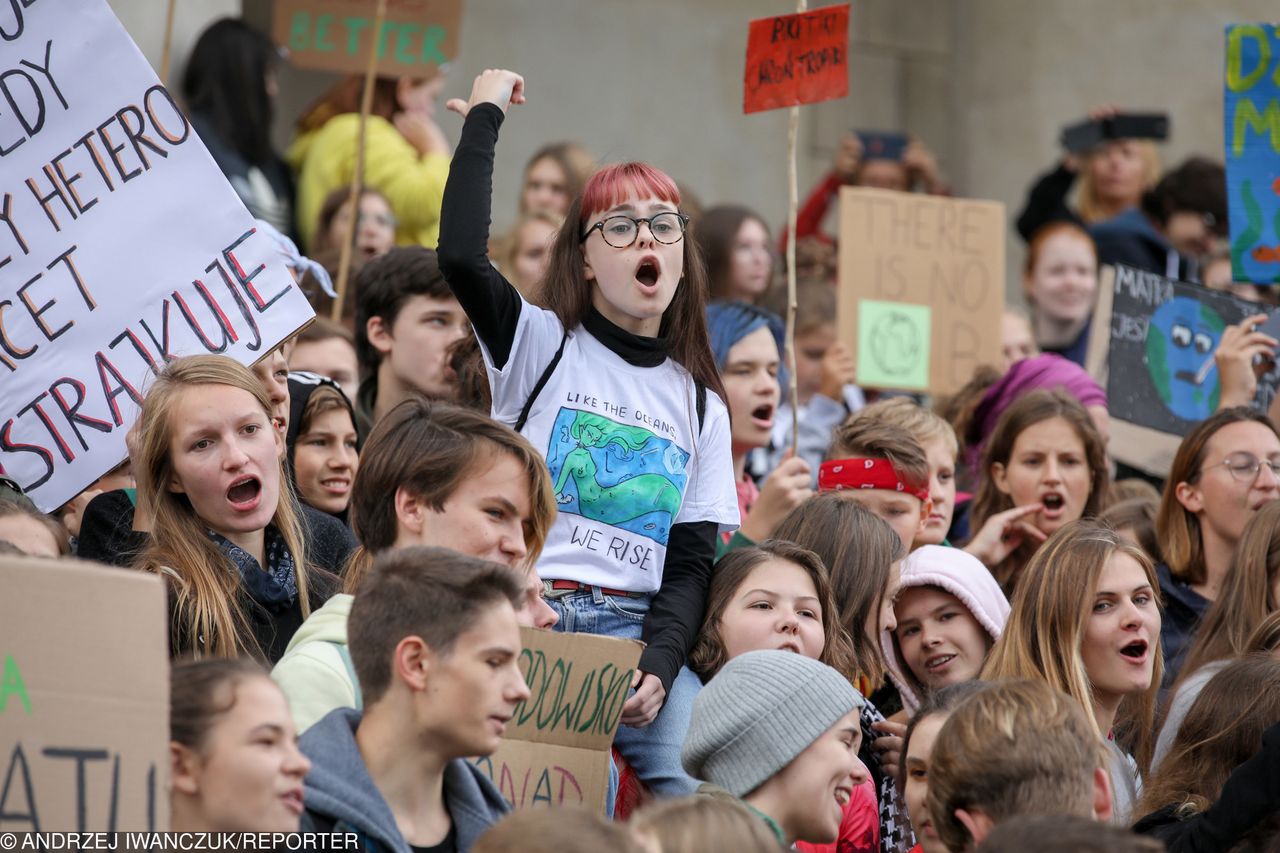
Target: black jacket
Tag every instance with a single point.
(107, 534)
(1250, 798)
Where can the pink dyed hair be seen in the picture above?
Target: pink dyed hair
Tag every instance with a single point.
(614, 184)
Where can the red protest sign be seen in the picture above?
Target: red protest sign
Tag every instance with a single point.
(797, 59)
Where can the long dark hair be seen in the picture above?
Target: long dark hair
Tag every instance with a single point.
(716, 234)
(566, 292)
(226, 81)
(1030, 409)
(859, 549)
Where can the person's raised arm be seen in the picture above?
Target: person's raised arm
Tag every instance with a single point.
(491, 303)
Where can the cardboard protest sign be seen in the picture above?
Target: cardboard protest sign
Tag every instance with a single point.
(921, 287)
(121, 246)
(84, 698)
(415, 39)
(797, 59)
(1152, 348)
(1251, 123)
(556, 750)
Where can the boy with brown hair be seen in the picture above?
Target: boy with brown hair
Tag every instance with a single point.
(1015, 748)
(883, 468)
(435, 646)
(941, 449)
(1065, 834)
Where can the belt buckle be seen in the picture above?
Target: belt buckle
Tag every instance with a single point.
(553, 594)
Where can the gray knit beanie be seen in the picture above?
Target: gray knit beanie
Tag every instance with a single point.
(758, 713)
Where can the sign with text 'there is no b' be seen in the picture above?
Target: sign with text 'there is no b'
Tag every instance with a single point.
(797, 59)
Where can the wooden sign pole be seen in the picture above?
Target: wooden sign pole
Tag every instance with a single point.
(793, 127)
(167, 47)
(357, 174)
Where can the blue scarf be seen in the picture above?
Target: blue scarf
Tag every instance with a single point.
(276, 589)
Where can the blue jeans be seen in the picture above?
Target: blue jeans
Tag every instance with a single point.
(654, 751)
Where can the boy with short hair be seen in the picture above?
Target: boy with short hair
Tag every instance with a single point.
(941, 449)
(406, 321)
(779, 732)
(434, 643)
(883, 468)
(1015, 748)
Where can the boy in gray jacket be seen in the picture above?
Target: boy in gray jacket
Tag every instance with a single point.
(434, 643)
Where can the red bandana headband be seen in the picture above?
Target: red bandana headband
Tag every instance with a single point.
(837, 475)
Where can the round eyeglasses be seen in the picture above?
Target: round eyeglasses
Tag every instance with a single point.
(1245, 466)
(621, 231)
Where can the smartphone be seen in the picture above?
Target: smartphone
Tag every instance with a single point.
(1083, 136)
(1086, 135)
(1138, 126)
(882, 146)
(1271, 326)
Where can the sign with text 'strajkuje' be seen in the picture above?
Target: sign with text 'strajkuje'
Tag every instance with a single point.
(122, 246)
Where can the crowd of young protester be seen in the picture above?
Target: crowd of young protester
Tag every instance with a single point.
(933, 625)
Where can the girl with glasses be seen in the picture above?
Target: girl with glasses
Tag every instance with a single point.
(1223, 473)
(608, 372)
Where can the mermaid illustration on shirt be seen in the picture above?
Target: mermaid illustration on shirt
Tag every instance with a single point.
(622, 475)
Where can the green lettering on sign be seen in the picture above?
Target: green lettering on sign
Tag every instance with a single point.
(322, 33)
(300, 31)
(431, 39)
(1236, 81)
(1247, 117)
(11, 685)
(354, 26)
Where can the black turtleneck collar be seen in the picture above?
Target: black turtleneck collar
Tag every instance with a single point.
(633, 349)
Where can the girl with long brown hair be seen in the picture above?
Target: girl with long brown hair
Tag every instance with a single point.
(1085, 619)
(225, 533)
(1217, 790)
(608, 371)
(1045, 457)
(1224, 472)
(1250, 594)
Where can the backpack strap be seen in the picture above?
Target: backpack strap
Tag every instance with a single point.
(540, 384)
(345, 654)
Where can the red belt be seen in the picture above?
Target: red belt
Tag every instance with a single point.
(574, 586)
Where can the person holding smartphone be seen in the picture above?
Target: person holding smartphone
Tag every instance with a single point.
(1113, 171)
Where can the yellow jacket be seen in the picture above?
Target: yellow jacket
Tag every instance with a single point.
(324, 160)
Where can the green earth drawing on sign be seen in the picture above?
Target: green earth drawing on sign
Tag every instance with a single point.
(1181, 340)
(896, 343)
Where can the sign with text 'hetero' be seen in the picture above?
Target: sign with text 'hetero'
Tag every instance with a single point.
(921, 287)
(797, 59)
(84, 698)
(415, 39)
(556, 751)
(122, 246)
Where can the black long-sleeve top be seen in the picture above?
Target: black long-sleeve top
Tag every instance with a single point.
(494, 307)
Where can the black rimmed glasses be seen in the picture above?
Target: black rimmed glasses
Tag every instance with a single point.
(1244, 467)
(621, 231)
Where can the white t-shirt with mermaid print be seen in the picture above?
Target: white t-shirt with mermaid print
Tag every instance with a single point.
(622, 443)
